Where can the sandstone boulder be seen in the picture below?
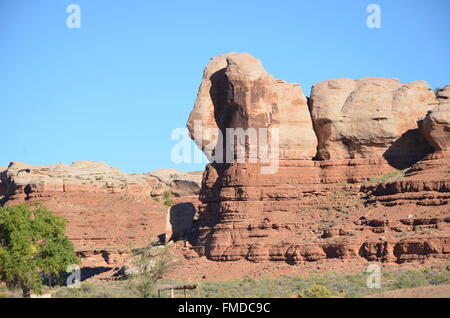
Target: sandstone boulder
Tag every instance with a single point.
(179, 183)
(370, 118)
(436, 124)
(237, 92)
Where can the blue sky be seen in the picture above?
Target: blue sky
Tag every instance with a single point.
(115, 89)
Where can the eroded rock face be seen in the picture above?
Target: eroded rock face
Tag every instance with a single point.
(350, 204)
(107, 211)
(83, 176)
(179, 183)
(237, 92)
(436, 124)
(370, 118)
(105, 207)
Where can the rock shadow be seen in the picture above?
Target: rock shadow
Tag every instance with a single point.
(181, 220)
(410, 148)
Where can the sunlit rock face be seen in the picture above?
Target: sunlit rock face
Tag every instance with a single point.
(237, 92)
(436, 125)
(340, 191)
(371, 118)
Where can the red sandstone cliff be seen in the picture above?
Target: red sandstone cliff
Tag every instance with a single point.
(107, 211)
(377, 188)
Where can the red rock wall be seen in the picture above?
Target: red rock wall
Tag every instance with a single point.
(351, 206)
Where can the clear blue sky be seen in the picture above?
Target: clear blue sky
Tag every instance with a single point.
(114, 89)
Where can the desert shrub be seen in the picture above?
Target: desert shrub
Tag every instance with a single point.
(149, 265)
(88, 288)
(168, 198)
(391, 176)
(315, 291)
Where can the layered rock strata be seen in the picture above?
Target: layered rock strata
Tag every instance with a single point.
(332, 206)
(105, 207)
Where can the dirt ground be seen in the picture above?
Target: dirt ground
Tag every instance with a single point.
(438, 291)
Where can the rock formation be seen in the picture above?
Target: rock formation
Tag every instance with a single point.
(105, 207)
(179, 183)
(371, 118)
(436, 125)
(108, 211)
(237, 92)
(23, 179)
(354, 200)
(427, 181)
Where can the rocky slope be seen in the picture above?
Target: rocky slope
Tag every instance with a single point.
(376, 188)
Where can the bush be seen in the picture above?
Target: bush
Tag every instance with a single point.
(315, 291)
(390, 176)
(149, 265)
(168, 198)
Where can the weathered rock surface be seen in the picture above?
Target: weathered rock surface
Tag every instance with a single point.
(352, 203)
(108, 211)
(178, 182)
(84, 176)
(371, 118)
(105, 208)
(436, 125)
(427, 181)
(237, 92)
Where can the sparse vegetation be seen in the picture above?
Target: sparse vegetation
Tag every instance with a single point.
(391, 176)
(157, 199)
(339, 285)
(315, 291)
(168, 198)
(345, 202)
(149, 265)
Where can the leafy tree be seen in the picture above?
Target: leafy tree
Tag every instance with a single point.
(32, 244)
(149, 265)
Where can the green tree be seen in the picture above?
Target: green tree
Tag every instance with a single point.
(149, 265)
(32, 244)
